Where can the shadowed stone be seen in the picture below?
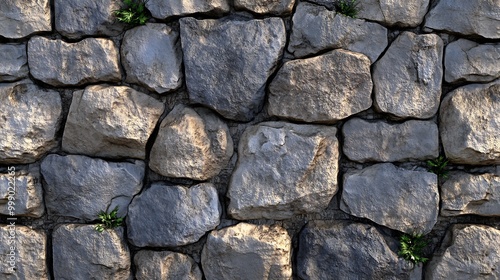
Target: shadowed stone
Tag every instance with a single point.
(21, 18)
(164, 9)
(14, 64)
(165, 265)
(24, 189)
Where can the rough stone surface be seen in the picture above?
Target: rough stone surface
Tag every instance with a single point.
(466, 17)
(165, 265)
(394, 13)
(75, 19)
(407, 79)
(464, 193)
(191, 143)
(468, 252)
(283, 169)
(81, 252)
(151, 56)
(366, 141)
(275, 7)
(24, 188)
(29, 119)
(247, 251)
(228, 62)
(30, 253)
(81, 187)
(470, 124)
(399, 199)
(472, 62)
(164, 9)
(22, 18)
(58, 63)
(315, 29)
(14, 64)
(324, 89)
(342, 250)
(113, 122)
(172, 215)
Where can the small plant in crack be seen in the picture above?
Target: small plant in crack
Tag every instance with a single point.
(438, 167)
(347, 7)
(134, 12)
(411, 247)
(109, 220)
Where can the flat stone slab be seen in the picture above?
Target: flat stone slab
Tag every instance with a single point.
(58, 63)
(14, 64)
(397, 198)
(283, 170)
(23, 188)
(470, 124)
(164, 9)
(247, 252)
(323, 89)
(366, 141)
(22, 18)
(398, 13)
(165, 265)
(279, 7)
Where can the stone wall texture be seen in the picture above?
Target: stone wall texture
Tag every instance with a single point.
(249, 139)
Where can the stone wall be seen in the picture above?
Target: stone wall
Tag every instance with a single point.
(249, 139)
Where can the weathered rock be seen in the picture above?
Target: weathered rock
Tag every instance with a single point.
(191, 143)
(315, 29)
(227, 62)
(366, 141)
(14, 64)
(247, 251)
(464, 193)
(324, 89)
(467, 252)
(402, 13)
(472, 62)
(167, 216)
(113, 122)
(24, 189)
(81, 187)
(399, 199)
(470, 124)
(75, 19)
(28, 257)
(165, 265)
(342, 250)
(152, 57)
(276, 7)
(164, 9)
(407, 79)
(29, 119)
(283, 169)
(58, 63)
(22, 18)
(467, 17)
(81, 252)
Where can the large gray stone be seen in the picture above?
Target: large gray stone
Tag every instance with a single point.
(168, 216)
(247, 251)
(191, 143)
(467, 252)
(464, 193)
(470, 124)
(81, 252)
(21, 18)
(151, 56)
(14, 64)
(343, 250)
(165, 265)
(228, 62)
(23, 188)
(315, 29)
(29, 120)
(366, 141)
(81, 187)
(324, 89)
(283, 169)
(28, 260)
(75, 19)
(275, 7)
(407, 79)
(399, 199)
(163, 9)
(112, 122)
(471, 62)
(466, 17)
(400, 13)
(58, 63)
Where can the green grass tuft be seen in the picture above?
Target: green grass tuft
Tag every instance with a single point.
(134, 13)
(411, 248)
(109, 220)
(347, 7)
